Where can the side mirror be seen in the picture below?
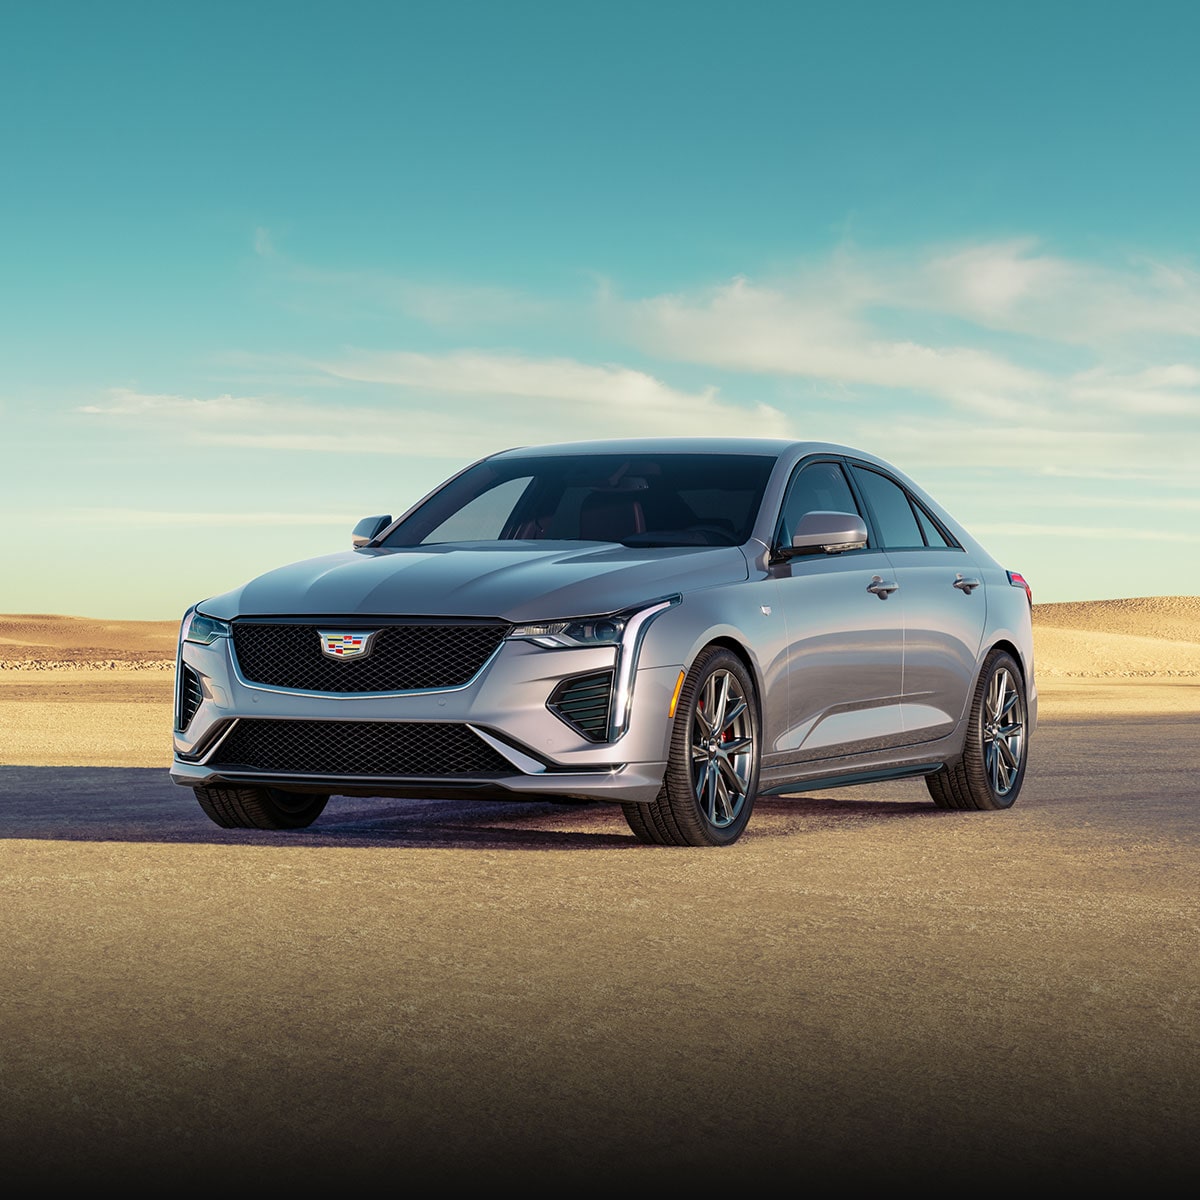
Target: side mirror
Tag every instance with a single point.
(828, 531)
(368, 529)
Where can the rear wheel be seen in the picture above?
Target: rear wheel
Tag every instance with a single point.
(709, 787)
(989, 772)
(260, 807)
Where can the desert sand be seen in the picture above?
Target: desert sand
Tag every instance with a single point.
(864, 990)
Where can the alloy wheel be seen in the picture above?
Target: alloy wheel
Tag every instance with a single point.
(1003, 732)
(722, 748)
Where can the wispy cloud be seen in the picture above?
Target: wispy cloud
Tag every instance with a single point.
(122, 517)
(994, 353)
(600, 396)
(1172, 390)
(770, 330)
(985, 355)
(371, 292)
(931, 441)
(1087, 532)
(498, 401)
(1014, 286)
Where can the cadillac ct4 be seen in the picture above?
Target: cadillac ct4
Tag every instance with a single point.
(677, 626)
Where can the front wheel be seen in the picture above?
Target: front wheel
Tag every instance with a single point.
(259, 807)
(989, 772)
(711, 780)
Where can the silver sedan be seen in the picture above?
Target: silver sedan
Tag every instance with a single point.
(677, 626)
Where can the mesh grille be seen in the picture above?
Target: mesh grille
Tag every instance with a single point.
(387, 748)
(190, 696)
(583, 703)
(405, 656)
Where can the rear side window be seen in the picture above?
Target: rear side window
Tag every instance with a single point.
(894, 516)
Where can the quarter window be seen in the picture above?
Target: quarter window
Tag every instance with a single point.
(933, 535)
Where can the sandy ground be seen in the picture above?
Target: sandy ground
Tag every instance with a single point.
(863, 990)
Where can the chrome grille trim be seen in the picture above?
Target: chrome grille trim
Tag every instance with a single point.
(410, 655)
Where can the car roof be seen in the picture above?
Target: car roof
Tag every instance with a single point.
(773, 447)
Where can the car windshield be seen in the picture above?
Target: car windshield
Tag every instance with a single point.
(635, 499)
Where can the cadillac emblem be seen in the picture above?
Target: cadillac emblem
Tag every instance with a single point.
(346, 645)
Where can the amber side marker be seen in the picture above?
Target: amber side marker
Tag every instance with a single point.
(675, 695)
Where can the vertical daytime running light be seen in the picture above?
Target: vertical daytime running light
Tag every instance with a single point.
(627, 656)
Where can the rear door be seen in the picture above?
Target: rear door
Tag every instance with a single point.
(944, 604)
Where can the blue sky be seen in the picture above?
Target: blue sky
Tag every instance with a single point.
(268, 268)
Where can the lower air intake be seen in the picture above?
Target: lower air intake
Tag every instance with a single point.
(391, 749)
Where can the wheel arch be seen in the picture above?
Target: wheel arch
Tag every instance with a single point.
(742, 653)
(1011, 648)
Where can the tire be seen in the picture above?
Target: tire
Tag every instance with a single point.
(991, 769)
(260, 807)
(711, 781)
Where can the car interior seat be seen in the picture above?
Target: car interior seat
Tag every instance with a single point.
(610, 516)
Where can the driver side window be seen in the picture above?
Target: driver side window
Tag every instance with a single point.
(818, 487)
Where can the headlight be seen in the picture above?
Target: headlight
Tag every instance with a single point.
(201, 629)
(590, 631)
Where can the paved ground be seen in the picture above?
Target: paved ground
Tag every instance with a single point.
(864, 989)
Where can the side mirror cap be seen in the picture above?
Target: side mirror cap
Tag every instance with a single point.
(368, 529)
(831, 532)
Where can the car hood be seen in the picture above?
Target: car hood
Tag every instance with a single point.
(511, 581)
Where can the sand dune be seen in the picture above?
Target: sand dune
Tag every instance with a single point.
(39, 641)
(1171, 617)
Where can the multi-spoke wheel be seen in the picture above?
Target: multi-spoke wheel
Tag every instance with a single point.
(991, 769)
(712, 773)
(260, 807)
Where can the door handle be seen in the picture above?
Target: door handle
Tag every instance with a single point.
(881, 587)
(965, 585)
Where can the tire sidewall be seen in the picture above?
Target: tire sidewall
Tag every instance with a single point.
(974, 760)
(680, 780)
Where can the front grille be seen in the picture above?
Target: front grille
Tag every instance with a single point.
(190, 697)
(394, 749)
(405, 655)
(583, 702)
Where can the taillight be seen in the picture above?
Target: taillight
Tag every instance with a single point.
(1019, 581)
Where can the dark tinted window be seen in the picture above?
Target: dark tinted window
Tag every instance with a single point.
(933, 535)
(819, 487)
(637, 499)
(898, 528)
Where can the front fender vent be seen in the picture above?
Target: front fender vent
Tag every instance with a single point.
(584, 702)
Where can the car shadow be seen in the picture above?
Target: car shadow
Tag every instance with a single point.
(141, 804)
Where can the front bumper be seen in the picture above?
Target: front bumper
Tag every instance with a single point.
(533, 752)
